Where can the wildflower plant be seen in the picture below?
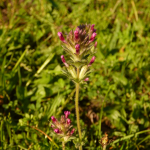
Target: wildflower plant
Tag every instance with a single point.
(63, 128)
(80, 46)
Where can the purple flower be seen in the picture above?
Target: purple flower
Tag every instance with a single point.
(86, 79)
(68, 121)
(92, 27)
(95, 45)
(72, 131)
(63, 126)
(56, 130)
(92, 60)
(93, 37)
(61, 37)
(67, 113)
(64, 61)
(76, 34)
(63, 58)
(77, 47)
(53, 119)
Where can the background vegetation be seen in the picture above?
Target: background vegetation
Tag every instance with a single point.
(32, 88)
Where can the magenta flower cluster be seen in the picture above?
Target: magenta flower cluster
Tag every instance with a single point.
(63, 127)
(78, 45)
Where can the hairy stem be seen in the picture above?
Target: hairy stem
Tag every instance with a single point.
(63, 145)
(77, 109)
(104, 147)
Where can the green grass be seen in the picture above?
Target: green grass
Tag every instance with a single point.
(32, 87)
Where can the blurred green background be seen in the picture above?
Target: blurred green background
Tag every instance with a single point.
(32, 87)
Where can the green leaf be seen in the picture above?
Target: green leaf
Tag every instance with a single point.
(118, 77)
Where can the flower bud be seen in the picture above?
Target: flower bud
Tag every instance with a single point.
(56, 130)
(92, 37)
(53, 119)
(77, 47)
(86, 79)
(72, 131)
(95, 45)
(64, 61)
(63, 58)
(92, 27)
(92, 60)
(67, 113)
(68, 121)
(76, 34)
(61, 37)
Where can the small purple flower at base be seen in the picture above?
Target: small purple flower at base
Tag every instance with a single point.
(86, 79)
(64, 61)
(67, 113)
(77, 47)
(68, 121)
(76, 34)
(92, 37)
(53, 119)
(56, 130)
(95, 45)
(72, 131)
(61, 37)
(92, 60)
(63, 127)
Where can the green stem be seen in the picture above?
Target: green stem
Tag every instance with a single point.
(63, 145)
(2, 134)
(104, 147)
(77, 109)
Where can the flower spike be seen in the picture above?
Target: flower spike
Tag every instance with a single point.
(63, 127)
(79, 44)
